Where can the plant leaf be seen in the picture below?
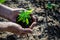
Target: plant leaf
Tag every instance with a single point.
(27, 22)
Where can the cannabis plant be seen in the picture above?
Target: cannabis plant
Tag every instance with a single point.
(24, 16)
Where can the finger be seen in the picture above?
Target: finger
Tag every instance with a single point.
(34, 18)
(33, 24)
(18, 9)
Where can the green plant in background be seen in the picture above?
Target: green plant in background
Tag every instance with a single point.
(24, 16)
(51, 5)
(2, 1)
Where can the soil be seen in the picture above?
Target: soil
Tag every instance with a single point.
(48, 24)
(24, 25)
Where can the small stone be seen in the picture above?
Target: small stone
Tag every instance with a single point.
(50, 24)
(38, 10)
(40, 18)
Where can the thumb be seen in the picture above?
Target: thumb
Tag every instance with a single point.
(18, 9)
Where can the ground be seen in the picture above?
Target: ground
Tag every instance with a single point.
(47, 27)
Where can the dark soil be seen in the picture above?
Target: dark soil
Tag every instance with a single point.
(11, 37)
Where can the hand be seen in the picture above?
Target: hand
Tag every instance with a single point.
(14, 28)
(11, 14)
(14, 13)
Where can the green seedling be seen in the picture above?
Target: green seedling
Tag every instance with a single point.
(51, 5)
(2, 1)
(24, 16)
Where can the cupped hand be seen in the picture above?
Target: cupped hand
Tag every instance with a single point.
(18, 28)
(16, 12)
(11, 14)
(14, 28)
